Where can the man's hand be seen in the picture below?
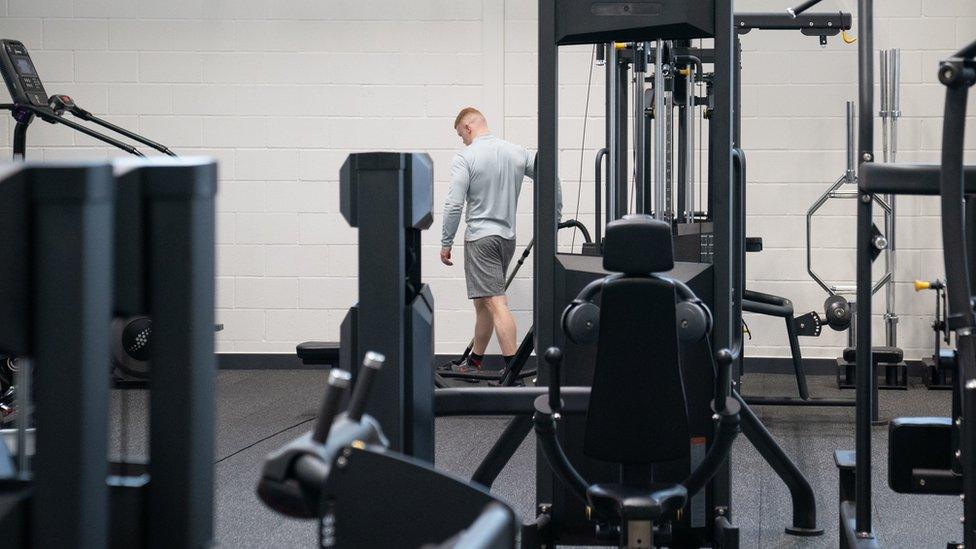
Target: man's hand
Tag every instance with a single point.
(446, 257)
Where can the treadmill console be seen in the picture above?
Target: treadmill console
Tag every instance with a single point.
(18, 72)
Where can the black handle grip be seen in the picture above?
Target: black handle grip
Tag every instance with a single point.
(723, 377)
(337, 383)
(554, 357)
(372, 362)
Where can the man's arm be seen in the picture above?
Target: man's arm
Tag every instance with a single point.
(530, 173)
(454, 203)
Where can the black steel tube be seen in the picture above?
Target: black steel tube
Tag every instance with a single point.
(722, 362)
(959, 316)
(787, 401)
(960, 312)
(52, 119)
(682, 163)
(335, 385)
(866, 405)
(20, 139)
(598, 222)
(691, 59)
(610, 102)
(576, 224)
(372, 362)
(89, 117)
(804, 501)
(967, 52)
(728, 429)
(967, 347)
(622, 178)
(767, 309)
(510, 373)
(554, 359)
(502, 451)
(545, 430)
(864, 368)
(544, 316)
(737, 87)
(802, 7)
(645, 199)
(831, 23)
(738, 240)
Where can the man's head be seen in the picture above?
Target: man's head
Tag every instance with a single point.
(470, 123)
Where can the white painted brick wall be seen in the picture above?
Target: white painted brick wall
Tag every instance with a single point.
(281, 91)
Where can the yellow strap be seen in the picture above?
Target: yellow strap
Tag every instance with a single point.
(922, 285)
(847, 38)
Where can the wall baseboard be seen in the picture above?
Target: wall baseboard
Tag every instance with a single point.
(756, 365)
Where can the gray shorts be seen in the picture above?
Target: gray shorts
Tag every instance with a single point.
(486, 264)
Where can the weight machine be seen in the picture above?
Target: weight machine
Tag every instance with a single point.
(926, 455)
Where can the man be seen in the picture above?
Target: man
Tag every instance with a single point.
(487, 175)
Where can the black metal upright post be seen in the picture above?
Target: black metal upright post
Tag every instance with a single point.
(20, 135)
(389, 197)
(180, 216)
(72, 287)
(727, 313)
(957, 74)
(727, 310)
(621, 141)
(545, 183)
(866, 397)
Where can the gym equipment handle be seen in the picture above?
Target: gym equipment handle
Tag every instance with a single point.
(372, 362)
(337, 383)
(47, 116)
(929, 285)
(554, 357)
(802, 7)
(87, 116)
(723, 378)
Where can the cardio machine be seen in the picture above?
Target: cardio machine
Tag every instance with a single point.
(131, 335)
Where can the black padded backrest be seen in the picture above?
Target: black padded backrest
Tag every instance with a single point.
(638, 244)
(637, 411)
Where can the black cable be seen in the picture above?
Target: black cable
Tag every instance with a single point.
(259, 441)
(586, 114)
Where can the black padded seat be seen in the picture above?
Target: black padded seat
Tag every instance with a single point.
(649, 502)
(318, 352)
(882, 355)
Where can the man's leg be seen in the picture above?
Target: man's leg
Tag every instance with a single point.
(504, 323)
(482, 326)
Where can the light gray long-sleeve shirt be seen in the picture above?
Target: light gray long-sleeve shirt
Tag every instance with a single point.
(488, 176)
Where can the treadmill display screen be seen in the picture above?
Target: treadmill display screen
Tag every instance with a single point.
(24, 66)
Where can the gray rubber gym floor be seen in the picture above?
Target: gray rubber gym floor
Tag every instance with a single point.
(258, 411)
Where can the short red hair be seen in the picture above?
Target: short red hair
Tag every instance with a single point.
(465, 113)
